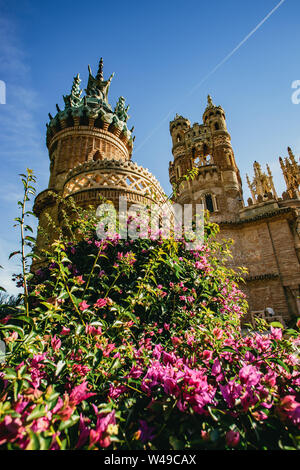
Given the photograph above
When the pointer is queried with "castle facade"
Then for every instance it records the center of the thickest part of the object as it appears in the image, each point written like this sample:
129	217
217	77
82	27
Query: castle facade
90	148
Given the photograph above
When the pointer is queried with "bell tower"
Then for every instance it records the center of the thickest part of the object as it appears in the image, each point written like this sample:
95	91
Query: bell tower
206	147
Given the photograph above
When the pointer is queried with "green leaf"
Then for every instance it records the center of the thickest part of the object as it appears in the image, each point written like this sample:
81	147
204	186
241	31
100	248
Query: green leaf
31	239
280	362
14	253
38	411
70	422
10	374
59	367
277	324
16	328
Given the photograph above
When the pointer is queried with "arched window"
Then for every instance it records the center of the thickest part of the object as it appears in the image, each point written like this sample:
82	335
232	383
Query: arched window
178	138
217	127
209	203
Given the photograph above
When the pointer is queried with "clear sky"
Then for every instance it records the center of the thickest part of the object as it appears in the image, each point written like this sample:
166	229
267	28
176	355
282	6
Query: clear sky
164	55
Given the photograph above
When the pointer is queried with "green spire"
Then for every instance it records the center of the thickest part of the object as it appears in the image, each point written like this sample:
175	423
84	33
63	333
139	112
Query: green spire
99	75
74	99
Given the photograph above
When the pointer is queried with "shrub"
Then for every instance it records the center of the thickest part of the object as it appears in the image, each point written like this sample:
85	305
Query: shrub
138	345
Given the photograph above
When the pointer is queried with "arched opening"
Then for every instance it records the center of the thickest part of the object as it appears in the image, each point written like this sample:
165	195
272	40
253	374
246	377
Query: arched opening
97	156
178	138
217	127
209	203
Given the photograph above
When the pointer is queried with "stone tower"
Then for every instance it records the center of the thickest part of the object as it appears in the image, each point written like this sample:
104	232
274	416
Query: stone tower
265	233
206	146
90	148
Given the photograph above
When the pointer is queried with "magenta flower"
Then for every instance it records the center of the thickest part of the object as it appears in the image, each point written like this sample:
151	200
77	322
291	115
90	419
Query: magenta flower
84	431
83	306
65	331
55	343
92	330
10	429
249	375
106	424
290	408
146	432
232	438
109	348
276	333
80	393
100	303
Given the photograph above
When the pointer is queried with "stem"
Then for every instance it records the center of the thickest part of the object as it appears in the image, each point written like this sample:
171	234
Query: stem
56	437
115	280
90	275
23	249
68	291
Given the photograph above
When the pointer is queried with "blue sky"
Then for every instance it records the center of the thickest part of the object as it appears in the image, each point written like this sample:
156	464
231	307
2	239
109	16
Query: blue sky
160	51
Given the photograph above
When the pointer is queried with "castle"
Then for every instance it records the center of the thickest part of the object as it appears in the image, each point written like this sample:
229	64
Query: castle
90	148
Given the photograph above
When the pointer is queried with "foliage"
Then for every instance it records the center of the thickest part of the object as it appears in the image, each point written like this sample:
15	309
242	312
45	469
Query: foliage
138	345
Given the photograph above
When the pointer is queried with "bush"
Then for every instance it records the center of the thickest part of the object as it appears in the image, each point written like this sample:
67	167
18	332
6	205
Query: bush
138	345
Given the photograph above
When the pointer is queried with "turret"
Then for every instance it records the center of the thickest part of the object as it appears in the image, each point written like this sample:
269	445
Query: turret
214	116
262	187
90	148
291	172
207	147
178	127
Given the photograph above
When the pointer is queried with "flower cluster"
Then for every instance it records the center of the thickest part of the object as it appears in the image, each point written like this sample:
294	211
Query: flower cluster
139	345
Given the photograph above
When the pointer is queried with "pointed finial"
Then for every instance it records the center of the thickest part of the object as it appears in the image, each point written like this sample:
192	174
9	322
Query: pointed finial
58	108
99	75
209	100
292	156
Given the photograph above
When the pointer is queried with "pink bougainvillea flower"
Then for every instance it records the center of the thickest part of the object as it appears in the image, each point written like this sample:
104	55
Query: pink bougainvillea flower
289	408
218	333
79	393
80	369
84	431
11	338
176	341
92	330
55	343
105	426
100	303
207	355
79	280
4	320
276	333
65	331
249	375
109	348
83	305
232	438
146	433
10	429
116	391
